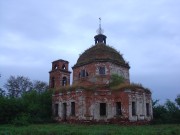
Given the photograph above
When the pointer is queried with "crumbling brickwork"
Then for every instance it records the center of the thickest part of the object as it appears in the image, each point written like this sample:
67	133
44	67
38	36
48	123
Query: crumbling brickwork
59	74
90	98
87	105
93	76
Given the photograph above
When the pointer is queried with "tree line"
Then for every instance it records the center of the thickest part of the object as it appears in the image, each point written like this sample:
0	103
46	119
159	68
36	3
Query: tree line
16	86
169	112
23	101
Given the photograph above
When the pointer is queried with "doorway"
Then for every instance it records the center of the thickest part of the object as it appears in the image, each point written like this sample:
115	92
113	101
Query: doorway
102	109
64	111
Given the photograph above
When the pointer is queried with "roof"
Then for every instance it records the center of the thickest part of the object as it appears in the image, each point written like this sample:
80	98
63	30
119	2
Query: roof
101	53
60	60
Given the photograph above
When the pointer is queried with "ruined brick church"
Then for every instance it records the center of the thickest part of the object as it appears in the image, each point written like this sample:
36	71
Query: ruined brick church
90	97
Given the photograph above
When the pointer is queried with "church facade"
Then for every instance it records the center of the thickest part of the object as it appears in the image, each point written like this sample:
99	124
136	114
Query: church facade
90	98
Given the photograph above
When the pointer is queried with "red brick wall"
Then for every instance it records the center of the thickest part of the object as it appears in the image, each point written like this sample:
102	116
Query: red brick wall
93	73
58	72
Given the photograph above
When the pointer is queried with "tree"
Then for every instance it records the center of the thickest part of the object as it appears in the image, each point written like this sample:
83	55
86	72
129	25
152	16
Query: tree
155	103
173	112
32	105
167	113
40	86
159	112
2	92
177	100
10	108
18	85
38	105
171	106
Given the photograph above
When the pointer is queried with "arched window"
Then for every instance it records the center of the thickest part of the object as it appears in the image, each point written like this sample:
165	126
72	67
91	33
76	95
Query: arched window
64	81
55	67
63	67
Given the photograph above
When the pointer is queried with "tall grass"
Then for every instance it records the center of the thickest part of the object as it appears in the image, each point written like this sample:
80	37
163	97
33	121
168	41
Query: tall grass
71	129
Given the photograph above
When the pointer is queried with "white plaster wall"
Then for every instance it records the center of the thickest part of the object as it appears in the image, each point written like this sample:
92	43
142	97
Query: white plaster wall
114	69
140	100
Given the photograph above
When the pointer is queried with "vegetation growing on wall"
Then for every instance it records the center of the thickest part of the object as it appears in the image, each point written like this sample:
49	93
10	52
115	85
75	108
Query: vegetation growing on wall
101	52
116	80
118	83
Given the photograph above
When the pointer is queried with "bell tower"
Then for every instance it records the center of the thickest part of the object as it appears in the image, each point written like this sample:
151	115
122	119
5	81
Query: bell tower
59	76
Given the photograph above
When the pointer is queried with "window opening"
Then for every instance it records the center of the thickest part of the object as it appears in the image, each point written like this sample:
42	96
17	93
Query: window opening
102	109
73	108
87	74
64	111
64	67
55	67
102	70
147	109
118	108
133	108
64	81
56	110
52	82
83	73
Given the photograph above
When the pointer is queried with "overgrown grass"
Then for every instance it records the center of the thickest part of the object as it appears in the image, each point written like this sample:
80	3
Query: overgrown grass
132	86
72	129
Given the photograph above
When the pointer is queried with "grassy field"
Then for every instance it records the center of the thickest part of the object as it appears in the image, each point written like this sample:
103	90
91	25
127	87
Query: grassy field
71	129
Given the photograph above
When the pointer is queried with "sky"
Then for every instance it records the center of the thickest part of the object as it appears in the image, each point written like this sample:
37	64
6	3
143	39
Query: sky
33	33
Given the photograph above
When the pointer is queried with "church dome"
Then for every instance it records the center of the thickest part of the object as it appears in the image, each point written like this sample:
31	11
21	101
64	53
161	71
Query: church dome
101	52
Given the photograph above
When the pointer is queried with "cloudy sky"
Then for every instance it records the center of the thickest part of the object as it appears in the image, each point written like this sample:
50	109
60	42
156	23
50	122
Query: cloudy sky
33	33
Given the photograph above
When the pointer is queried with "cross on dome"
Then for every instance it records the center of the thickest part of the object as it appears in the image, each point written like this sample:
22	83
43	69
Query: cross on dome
100	30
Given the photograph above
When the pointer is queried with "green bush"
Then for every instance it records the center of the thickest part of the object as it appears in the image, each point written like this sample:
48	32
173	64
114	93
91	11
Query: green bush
167	113
22	120
31	105
116	80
